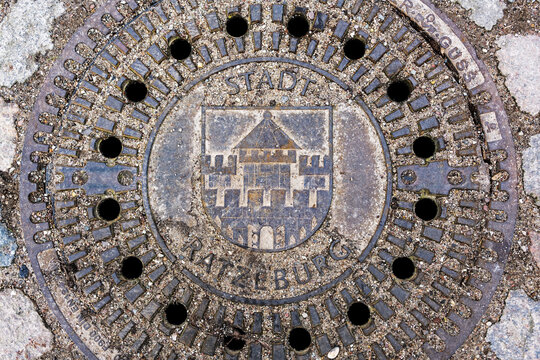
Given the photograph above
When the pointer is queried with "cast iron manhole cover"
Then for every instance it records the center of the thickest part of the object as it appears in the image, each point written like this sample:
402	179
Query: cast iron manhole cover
268	181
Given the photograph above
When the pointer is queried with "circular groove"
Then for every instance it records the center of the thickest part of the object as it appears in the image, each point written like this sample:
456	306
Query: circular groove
455	177
80	177
298	26
125	177
237	26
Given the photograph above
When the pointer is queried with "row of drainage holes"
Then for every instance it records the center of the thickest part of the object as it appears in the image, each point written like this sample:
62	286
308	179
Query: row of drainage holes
180	49
358	313
424	147
403	268
237	26
426	209
299	339
398	91
297	26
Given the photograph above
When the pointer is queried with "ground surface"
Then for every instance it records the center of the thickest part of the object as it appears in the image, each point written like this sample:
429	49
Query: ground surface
505	35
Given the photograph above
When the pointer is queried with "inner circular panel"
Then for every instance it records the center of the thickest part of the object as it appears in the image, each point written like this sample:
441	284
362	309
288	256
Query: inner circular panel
270	174
306	178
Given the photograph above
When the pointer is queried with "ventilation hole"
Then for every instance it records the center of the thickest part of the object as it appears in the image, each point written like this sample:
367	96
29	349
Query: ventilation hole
180	49
424	147
298	26
403	268
299	339
176	314
132	268
108	209
354	49
426	209
359	314
235	342
135	91
400	90
237	26
110	147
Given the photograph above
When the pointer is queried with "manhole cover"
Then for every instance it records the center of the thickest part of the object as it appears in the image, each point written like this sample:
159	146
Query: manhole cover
268	181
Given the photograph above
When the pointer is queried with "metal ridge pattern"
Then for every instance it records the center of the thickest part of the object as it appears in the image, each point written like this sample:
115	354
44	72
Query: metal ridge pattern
42	230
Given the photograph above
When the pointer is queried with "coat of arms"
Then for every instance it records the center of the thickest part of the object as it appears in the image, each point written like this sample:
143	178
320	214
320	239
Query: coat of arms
267	173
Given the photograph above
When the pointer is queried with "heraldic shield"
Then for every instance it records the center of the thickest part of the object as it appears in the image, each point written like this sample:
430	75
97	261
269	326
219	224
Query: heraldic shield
267	173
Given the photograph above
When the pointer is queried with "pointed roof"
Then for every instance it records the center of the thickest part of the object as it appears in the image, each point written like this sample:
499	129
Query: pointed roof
267	135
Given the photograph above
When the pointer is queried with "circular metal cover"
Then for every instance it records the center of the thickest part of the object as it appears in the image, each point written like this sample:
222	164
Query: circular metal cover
290	177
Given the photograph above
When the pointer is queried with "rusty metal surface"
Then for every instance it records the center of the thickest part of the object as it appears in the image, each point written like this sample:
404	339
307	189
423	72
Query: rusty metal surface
177	209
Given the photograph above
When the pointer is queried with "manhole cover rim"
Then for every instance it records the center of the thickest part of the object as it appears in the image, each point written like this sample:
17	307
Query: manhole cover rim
495	106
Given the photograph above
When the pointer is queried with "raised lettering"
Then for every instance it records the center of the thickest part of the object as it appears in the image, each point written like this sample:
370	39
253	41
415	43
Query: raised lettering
346	251
282	80
308	81
279	278
195	246
240	280
320	263
445	42
265	79
470	76
407	5
297	277
260	276
454	53
207	260
462	65
234	86
247	79
226	264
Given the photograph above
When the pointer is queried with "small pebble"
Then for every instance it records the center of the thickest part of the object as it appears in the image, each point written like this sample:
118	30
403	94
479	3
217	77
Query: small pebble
333	353
24	272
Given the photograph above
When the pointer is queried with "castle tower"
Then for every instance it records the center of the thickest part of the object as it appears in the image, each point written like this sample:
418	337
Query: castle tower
266	155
